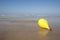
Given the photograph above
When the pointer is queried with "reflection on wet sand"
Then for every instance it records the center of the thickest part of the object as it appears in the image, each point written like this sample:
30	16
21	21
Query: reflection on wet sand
43	34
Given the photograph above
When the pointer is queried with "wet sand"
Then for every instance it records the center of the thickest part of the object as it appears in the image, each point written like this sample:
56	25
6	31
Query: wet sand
12	29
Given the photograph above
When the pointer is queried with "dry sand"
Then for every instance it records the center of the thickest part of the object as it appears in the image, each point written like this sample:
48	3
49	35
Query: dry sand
11	29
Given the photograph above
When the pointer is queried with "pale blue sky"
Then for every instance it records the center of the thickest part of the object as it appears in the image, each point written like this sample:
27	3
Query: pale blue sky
34	7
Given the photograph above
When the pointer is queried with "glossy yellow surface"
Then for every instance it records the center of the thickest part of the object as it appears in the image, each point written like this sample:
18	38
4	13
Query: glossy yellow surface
43	23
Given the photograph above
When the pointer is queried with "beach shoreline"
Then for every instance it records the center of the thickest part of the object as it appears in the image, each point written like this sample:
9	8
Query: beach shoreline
13	29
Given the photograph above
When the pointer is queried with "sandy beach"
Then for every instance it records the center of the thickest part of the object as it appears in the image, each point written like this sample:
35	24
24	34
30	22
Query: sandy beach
12	29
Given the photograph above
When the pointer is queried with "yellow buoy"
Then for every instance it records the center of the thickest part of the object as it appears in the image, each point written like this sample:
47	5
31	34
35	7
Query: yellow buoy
43	23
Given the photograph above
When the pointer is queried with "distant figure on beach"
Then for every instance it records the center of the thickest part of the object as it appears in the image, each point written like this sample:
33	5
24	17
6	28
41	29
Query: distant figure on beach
43	23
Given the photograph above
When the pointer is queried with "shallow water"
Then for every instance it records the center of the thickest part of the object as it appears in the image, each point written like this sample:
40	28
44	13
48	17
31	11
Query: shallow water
12	29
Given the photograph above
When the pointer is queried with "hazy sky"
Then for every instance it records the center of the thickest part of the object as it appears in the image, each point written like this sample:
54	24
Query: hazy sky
43	7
